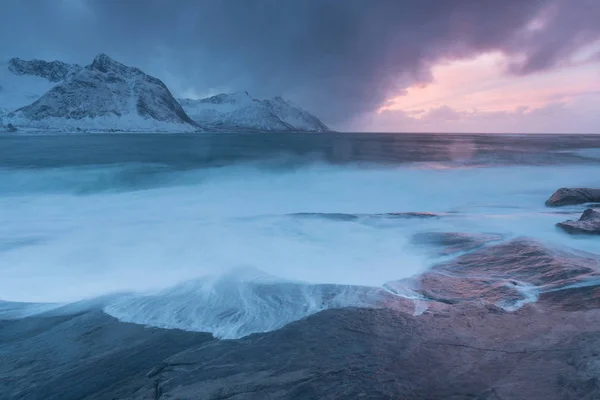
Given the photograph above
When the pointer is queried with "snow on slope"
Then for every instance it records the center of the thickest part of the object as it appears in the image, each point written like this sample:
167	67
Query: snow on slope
105	95
109	96
300	119
233	111
240	111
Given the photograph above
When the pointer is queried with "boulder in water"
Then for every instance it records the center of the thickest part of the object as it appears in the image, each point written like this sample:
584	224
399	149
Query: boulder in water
589	223
572	196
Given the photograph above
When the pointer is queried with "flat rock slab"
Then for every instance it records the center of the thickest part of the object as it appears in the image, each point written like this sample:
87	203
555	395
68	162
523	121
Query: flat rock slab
467	352
573	196
83	356
589	223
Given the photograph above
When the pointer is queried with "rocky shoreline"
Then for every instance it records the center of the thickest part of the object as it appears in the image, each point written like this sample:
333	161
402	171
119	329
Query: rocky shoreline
457	340
502	320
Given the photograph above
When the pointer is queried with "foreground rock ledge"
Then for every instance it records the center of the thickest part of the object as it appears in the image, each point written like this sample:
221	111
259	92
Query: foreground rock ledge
589	223
463	347
573	196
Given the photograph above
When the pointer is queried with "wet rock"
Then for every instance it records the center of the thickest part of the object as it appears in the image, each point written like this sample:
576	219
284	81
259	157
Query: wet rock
577	298
410	215
526	261
508	275
465	353
454	242
588	223
468	348
572	196
82	356
454	289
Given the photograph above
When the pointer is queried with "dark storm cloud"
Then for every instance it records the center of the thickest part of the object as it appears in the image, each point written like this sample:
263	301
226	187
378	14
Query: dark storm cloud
565	27
337	57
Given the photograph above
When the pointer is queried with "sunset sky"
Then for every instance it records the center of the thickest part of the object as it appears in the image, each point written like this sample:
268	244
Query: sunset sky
383	65
476	94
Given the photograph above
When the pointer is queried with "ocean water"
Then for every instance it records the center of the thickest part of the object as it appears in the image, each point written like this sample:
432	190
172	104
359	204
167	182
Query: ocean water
241	233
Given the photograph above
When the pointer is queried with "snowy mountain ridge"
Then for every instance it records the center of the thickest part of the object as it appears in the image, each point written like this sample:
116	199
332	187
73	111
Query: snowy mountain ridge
107	95
19	90
53	71
239	110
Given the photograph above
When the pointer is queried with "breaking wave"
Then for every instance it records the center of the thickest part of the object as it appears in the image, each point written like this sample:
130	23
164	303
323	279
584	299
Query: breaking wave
238	303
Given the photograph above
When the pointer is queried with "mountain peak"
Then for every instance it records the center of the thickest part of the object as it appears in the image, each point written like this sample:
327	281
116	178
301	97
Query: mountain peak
104	63
238	110
228	98
109	94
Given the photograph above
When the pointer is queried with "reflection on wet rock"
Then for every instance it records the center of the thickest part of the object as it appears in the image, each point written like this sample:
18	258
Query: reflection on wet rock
507	275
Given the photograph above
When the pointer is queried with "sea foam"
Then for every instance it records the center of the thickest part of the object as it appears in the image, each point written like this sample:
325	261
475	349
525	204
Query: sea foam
68	234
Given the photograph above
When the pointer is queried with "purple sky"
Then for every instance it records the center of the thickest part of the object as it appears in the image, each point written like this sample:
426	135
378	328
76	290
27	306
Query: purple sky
380	65
477	95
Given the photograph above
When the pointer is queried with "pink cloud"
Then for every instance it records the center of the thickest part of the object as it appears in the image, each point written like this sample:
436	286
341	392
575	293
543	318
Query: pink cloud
466	95
559	117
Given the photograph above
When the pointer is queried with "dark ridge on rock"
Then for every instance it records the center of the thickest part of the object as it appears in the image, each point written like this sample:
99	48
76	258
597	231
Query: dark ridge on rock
573	196
354	217
578	298
410	215
54	71
588	223
329	216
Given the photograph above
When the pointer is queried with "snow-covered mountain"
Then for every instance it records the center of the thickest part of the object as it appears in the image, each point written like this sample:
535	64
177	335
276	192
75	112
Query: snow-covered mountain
241	111
109	96
295	116
105	95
